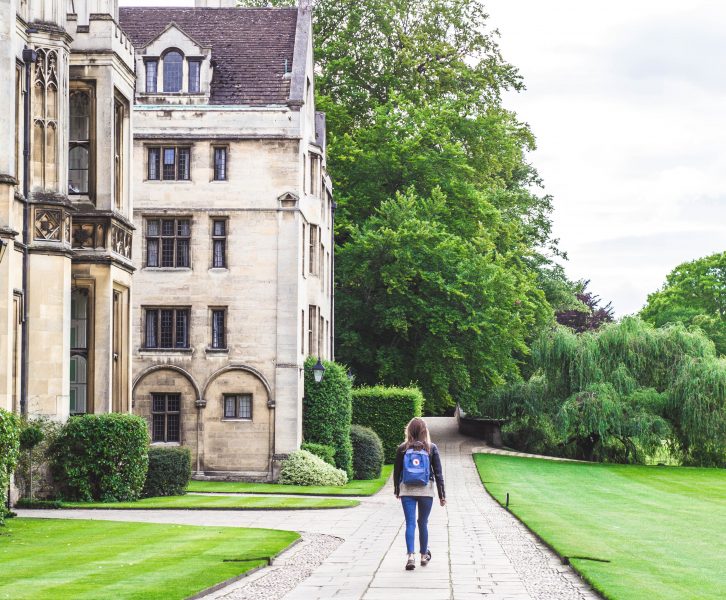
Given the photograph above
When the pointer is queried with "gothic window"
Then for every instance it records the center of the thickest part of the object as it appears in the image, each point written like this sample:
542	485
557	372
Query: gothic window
79	351
219	244
173	63
167	243
238	406
218	333
152	69
118	142
45	120
165	415
169	163
79	132
220	164
167	328
195	67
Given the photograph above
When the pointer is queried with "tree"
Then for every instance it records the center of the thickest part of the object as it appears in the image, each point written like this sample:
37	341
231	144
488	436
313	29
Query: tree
589	315
694	294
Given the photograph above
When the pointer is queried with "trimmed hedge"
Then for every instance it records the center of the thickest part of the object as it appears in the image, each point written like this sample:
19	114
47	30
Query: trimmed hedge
9	451
170	470
101	457
327	453
387	411
327	411
304	468
367	452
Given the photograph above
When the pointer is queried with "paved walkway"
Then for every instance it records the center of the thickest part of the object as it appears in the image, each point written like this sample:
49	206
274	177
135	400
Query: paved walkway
479	549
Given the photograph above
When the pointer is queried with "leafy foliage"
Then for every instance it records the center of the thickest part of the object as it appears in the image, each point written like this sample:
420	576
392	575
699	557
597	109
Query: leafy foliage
9	450
304	468
387	411
367	452
327	411
101	457
695	294
589	315
327	453
619	393
170	470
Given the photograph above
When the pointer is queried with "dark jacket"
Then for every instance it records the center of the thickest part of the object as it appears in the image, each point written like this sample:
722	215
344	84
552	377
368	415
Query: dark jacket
436	472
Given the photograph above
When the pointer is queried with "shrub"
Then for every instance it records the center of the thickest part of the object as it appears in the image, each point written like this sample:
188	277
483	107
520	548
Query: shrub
387	411
169	471
101	457
327	411
532	433
32	474
327	453
45	504
304	468
367	452
9	450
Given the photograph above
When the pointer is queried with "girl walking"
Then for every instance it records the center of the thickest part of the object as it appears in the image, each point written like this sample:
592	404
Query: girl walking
417	466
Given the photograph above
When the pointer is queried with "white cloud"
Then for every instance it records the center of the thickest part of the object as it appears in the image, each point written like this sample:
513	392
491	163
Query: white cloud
628	103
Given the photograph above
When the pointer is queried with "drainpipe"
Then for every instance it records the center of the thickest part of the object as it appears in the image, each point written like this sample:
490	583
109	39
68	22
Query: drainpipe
332	280
29	58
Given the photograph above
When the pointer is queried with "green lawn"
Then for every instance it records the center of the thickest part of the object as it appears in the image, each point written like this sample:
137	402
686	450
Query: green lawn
56	559
219	502
357	487
661	529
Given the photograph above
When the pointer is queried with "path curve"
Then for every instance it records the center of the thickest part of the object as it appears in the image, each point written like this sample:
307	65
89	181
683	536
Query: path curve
479	549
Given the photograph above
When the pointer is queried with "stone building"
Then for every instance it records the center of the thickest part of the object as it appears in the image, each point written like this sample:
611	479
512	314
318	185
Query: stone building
65	207
233	211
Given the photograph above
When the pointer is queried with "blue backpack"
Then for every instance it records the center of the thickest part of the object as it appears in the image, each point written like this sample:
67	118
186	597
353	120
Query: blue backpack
416	467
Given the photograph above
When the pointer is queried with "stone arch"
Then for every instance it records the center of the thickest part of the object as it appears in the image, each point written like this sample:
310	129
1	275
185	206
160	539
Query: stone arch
247	369
156	368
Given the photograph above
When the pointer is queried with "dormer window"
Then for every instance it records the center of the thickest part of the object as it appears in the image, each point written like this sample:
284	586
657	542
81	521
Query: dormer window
173	66
195	67
152	69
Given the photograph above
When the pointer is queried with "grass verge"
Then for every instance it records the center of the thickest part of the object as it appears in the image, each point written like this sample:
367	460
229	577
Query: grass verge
218	502
83	560
357	487
633	532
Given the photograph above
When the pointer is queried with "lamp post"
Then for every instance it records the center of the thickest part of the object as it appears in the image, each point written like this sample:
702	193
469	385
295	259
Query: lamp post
318	371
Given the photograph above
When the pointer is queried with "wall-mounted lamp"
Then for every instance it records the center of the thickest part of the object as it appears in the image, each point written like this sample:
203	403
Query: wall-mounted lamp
318	371
3	247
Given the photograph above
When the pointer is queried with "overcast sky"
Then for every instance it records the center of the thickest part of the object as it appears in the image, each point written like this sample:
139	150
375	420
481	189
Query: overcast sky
628	103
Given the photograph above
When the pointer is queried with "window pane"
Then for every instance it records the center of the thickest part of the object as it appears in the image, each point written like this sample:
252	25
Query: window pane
167	329
151	71
158	403
172	402
78	170
218	260
218	329
182	253
219	228
167	227
245	406
183	172
229	406
172	428
167	252
152	253
157	429
172	72
194	67
182	329
79	116
152	227
183	227
220	164
169	154
154	156
79	319
151	327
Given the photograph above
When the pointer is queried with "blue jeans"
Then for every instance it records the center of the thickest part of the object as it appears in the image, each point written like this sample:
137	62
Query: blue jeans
424	504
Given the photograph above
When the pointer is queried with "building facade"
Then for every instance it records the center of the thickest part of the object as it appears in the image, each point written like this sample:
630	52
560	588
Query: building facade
65	208
233	212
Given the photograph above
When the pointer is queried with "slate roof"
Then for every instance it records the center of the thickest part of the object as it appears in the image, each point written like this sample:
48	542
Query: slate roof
249	46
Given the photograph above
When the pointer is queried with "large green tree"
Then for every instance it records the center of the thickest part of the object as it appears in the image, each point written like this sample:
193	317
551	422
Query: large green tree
695	294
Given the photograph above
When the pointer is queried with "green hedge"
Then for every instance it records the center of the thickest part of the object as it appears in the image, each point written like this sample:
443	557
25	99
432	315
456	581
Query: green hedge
327	453
367	452
304	468
170	470
327	411
387	411
9	451
101	457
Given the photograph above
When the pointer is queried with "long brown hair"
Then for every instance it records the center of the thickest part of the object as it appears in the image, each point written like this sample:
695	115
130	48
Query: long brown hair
417	432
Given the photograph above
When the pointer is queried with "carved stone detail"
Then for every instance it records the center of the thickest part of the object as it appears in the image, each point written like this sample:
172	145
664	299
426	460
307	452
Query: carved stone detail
48	224
121	241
